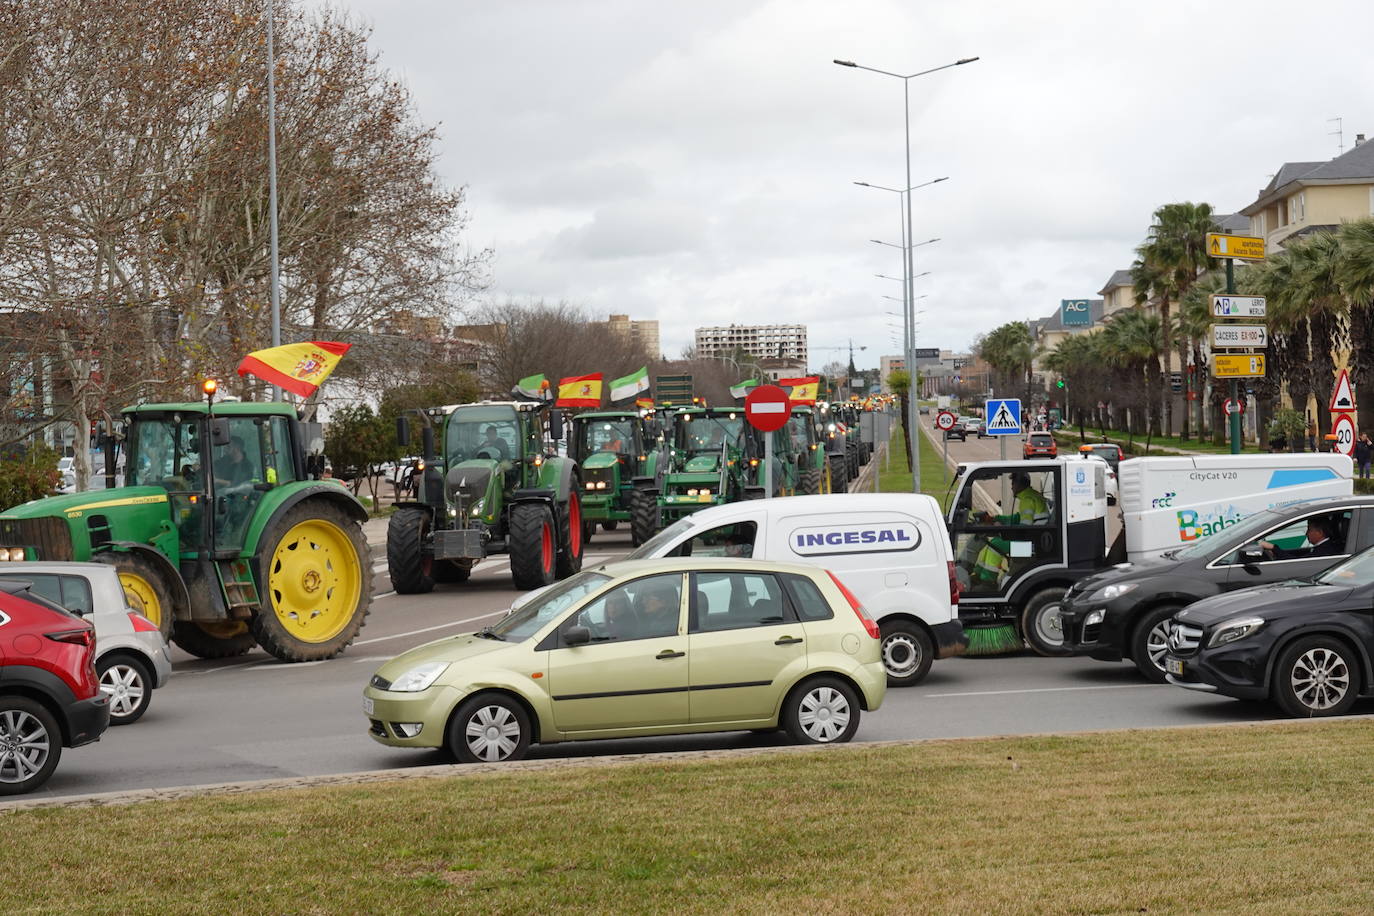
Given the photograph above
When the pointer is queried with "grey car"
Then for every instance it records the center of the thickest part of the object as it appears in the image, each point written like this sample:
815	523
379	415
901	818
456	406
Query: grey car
132	658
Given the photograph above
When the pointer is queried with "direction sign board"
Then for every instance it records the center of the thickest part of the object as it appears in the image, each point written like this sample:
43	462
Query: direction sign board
1238	306
1342	398
1238	365
1344	431
944	420
926	353
1003	417
1240	335
767	408
1245	247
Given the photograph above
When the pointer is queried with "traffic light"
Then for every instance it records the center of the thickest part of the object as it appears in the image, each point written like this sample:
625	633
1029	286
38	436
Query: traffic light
1060	384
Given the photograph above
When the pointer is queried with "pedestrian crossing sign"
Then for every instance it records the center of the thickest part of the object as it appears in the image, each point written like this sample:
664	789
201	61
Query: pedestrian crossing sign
1003	417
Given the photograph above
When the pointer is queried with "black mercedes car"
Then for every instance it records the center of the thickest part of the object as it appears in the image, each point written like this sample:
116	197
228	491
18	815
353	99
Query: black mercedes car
1125	612
1305	644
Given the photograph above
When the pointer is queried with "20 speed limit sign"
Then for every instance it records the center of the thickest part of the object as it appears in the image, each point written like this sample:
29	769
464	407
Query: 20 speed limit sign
944	420
1344	431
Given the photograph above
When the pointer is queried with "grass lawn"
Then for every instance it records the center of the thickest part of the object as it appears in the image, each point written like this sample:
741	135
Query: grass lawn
897	478
1069	436
1254	820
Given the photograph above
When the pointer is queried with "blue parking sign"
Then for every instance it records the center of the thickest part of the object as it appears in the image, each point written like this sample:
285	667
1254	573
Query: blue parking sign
1003	417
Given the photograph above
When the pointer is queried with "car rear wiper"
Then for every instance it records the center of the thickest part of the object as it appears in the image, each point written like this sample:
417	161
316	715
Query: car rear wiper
489	633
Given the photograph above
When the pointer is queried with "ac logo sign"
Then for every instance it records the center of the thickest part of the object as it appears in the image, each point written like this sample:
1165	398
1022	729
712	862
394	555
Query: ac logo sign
1075	312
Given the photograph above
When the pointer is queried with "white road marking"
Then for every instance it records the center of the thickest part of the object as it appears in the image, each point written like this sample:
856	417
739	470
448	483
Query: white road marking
994	693
383	595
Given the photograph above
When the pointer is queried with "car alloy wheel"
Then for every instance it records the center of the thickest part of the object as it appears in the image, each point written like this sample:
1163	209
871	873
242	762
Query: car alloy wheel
127	687
26	746
1320	679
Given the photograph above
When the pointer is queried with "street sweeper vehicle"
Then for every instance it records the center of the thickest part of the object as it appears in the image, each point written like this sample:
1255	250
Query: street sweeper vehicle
1024	531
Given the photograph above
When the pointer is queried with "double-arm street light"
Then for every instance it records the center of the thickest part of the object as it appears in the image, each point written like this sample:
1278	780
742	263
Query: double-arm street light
906	79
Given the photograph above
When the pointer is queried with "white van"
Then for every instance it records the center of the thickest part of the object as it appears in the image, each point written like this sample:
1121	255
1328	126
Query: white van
890	549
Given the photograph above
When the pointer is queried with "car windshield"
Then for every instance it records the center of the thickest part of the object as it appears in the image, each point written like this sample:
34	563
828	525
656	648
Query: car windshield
605	435
1240	533
701	433
796	426
652	547
166	451
1353	573
482	432
547	606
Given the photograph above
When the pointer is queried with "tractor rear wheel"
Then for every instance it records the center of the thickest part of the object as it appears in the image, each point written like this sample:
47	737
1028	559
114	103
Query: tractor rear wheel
588	530
412	571
452	571
532	547
839	476
213	638
570	535
318	585
810	482
643	517
145	588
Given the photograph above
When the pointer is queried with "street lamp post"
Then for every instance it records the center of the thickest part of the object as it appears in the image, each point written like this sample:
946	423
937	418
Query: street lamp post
911	364
275	283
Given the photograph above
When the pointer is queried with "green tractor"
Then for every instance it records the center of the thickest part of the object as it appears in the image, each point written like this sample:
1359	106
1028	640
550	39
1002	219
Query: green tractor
612	447
223	537
497	486
839	451
715	457
809	443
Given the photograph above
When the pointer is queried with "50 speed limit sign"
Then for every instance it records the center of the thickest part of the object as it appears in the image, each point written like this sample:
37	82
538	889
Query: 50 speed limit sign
945	420
1344	431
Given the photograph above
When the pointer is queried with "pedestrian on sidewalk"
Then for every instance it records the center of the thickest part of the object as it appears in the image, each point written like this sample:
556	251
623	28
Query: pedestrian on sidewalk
1364	454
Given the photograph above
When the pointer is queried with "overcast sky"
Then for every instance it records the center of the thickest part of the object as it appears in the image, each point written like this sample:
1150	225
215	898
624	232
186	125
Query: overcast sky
693	162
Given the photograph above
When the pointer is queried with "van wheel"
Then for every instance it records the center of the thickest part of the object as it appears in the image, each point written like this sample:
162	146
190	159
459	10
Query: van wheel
907	652
1040	622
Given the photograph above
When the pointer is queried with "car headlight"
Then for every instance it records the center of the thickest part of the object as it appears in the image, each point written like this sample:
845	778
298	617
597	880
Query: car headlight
1108	592
418	678
1094	617
1231	630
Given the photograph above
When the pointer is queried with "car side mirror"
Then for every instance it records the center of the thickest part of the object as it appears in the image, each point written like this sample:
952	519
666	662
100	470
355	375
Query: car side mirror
576	636
1251	554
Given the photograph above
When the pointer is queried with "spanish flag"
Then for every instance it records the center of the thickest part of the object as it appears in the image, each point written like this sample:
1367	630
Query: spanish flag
803	389
644	403
579	391
299	368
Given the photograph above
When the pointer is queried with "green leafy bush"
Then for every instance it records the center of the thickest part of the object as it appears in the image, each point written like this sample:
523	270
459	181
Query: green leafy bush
27	476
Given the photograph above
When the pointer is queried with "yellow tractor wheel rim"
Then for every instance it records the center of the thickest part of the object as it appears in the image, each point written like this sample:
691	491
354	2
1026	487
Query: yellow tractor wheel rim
314	581
141	595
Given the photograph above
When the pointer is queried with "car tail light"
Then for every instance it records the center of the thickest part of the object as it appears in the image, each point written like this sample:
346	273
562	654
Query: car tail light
858	607
142	624
953	585
82	637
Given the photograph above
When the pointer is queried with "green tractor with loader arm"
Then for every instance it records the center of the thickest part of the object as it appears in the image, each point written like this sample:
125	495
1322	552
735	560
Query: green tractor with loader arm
808	440
612	448
223	537
496	485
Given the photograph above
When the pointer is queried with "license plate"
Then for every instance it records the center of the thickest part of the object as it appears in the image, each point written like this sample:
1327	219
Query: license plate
1173	666
367	705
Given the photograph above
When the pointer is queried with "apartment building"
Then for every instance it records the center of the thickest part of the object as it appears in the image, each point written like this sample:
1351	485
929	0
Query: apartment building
643	332
774	341
1305	197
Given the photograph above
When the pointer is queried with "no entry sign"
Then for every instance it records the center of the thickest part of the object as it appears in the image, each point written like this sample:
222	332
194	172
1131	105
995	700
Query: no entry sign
767	408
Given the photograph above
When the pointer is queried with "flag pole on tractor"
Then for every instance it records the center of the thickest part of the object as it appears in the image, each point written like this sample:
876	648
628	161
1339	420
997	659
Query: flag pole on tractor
299	368
532	388
622	389
741	390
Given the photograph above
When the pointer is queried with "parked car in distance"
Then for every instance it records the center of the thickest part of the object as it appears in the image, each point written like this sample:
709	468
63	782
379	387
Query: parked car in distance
66	466
1107	451
1039	445
1127	611
1305	644
975	426
637	648
132	658
49	695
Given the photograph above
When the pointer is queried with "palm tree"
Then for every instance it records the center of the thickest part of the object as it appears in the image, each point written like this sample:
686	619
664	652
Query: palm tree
1356	277
1315	291
1167	265
1138	339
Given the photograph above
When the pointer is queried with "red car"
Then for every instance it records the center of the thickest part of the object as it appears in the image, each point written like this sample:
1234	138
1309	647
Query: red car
1039	445
50	695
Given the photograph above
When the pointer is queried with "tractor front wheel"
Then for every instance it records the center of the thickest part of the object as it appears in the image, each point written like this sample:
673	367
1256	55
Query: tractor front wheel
411	569
532	547
145	588
318	584
810	482
643	517
213	638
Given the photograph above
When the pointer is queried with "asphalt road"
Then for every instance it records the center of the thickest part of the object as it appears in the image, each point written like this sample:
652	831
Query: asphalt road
257	718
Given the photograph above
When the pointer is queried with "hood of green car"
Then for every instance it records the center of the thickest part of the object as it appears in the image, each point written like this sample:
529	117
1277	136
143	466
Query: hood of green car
452	649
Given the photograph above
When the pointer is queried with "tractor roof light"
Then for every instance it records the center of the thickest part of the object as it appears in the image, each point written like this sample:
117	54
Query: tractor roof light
209	387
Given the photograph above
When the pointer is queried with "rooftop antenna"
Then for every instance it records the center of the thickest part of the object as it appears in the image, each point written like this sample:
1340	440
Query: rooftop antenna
1338	133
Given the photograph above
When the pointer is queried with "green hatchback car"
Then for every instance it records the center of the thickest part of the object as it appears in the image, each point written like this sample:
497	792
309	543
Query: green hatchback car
642	647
